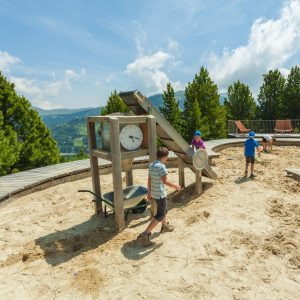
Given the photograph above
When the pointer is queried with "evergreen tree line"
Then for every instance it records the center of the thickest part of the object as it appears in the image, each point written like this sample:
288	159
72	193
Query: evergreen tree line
278	98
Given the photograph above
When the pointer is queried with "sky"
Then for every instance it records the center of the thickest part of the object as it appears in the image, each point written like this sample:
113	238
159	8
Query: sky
74	53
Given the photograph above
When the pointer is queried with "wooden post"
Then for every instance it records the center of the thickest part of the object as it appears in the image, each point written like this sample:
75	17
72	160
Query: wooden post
181	173
198	182
94	166
129	178
117	173
152	144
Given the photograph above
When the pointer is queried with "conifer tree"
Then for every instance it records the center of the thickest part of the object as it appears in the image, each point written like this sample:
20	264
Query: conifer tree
202	92
240	104
20	123
270	97
170	108
291	100
114	104
9	148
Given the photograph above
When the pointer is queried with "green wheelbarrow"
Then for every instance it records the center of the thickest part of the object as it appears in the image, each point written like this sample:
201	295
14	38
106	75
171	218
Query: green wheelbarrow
135	199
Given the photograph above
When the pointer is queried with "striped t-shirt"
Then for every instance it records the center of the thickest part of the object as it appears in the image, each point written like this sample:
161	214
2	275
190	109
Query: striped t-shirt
156	171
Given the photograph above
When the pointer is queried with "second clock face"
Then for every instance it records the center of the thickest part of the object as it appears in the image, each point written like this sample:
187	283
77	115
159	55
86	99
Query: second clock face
131	137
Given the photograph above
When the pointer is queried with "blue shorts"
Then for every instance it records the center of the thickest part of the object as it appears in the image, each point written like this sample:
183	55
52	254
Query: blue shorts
250	159
161	209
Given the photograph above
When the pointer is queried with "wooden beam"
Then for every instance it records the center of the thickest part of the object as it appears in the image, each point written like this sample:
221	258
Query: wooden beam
152	143
198	182
122	119
181	173
129	178
117	174
94	166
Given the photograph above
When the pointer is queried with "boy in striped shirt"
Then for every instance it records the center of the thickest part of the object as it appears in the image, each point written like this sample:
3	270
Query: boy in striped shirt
156	190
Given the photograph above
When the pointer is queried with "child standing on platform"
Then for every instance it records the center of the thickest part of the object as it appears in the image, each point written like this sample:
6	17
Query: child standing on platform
197	142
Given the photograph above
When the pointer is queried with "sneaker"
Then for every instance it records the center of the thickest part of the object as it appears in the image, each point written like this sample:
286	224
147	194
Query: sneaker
166	228
252	176
145	241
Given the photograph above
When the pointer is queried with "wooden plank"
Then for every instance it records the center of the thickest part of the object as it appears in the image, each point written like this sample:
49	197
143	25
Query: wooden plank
117	174
181	173
294	172
198	182
152	142
129	178
94	165
122	119
100	154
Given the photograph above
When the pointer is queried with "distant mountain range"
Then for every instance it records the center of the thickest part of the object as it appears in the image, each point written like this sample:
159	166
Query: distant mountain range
68	126
59	116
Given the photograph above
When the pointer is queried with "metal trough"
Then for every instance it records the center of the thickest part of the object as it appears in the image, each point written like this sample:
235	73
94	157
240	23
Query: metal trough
134	199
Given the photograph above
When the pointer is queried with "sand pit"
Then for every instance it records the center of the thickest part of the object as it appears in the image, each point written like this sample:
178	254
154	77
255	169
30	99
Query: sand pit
239	240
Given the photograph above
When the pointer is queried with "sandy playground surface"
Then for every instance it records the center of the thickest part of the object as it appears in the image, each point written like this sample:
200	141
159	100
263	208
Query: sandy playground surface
239	240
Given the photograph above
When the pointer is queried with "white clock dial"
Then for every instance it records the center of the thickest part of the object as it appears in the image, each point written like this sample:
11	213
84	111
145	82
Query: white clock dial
131	137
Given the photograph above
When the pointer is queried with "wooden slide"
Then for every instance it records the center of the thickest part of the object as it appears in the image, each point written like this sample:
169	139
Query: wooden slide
141	105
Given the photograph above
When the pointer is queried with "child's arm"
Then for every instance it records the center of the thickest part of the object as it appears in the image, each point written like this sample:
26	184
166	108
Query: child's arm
202	144
258	151
170	184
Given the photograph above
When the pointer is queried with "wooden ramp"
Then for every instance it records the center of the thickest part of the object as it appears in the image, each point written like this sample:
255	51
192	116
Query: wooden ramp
141	105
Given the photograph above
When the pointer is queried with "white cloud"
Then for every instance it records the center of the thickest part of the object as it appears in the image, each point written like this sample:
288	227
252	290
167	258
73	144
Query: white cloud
270	45
7	60
38	91
148	70
151	62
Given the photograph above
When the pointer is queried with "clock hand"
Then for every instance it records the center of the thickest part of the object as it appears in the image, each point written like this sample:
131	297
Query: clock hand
133	137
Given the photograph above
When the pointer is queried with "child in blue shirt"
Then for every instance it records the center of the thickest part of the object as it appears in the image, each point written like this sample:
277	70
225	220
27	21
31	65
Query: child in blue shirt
249	148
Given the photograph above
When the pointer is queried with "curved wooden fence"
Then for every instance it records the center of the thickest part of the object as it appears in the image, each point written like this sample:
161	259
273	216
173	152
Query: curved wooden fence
23	183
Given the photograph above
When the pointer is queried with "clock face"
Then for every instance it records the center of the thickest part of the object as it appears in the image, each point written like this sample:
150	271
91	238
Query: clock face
131	137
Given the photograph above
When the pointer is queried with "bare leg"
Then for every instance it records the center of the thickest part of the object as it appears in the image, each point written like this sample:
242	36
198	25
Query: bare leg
151	226
252	168
246	170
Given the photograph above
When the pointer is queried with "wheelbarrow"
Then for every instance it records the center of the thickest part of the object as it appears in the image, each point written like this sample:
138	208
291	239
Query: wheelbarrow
134	199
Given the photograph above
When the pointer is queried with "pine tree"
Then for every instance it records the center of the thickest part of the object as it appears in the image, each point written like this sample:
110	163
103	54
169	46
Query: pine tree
9	148
240	104
114	104
291	100
170	108
270	97
202	92
20	123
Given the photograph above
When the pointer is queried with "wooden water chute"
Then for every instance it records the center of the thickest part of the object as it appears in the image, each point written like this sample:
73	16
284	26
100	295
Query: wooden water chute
141	105
121	152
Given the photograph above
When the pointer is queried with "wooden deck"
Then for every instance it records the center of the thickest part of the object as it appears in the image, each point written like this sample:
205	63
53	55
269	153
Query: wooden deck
26	182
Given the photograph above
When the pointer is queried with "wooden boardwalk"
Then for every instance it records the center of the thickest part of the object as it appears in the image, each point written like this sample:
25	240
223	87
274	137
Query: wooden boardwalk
26	182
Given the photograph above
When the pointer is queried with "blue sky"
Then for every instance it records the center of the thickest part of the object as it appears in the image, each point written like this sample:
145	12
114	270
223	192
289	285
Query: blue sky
74	53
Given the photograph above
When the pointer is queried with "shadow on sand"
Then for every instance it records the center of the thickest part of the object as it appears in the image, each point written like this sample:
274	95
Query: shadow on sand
133	250
61	246
241	179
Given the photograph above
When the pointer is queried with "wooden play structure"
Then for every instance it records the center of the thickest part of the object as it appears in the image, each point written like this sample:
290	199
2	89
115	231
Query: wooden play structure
141	105
125	138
